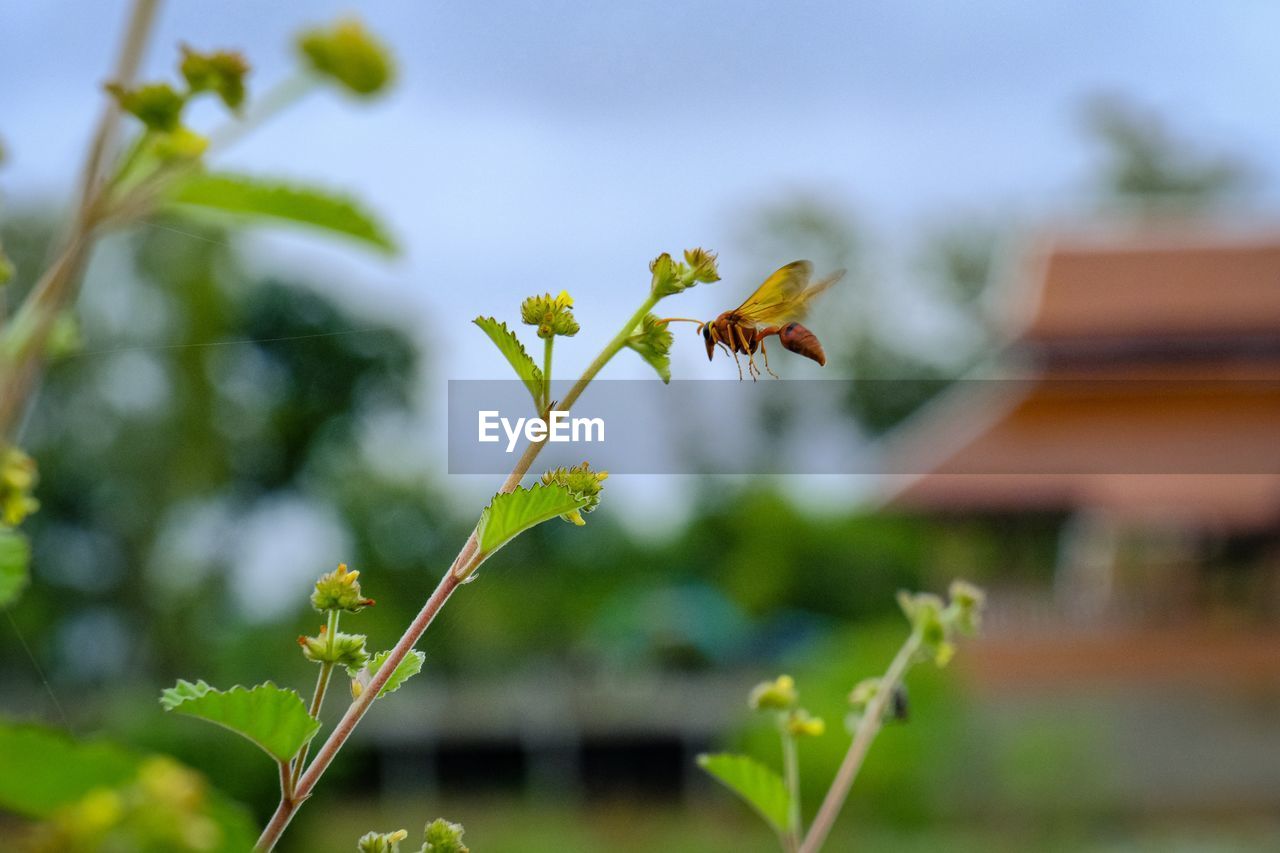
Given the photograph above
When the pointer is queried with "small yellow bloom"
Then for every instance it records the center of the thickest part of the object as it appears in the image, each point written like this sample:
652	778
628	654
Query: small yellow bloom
777	695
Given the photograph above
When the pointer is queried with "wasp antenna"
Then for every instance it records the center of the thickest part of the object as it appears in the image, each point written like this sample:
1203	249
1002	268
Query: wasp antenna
666	320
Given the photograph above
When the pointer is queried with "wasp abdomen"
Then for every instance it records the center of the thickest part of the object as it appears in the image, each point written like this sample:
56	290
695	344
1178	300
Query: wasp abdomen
800	340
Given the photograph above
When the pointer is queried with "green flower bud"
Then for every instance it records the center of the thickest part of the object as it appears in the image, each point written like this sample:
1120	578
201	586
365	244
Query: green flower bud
179	145
341	650
777	695
664	275
18	479
932	622
652	340
967	603
349	54
551	315
801	724
702	265
671	277
221	72
381	842
339	590
444	837
156	105
580	480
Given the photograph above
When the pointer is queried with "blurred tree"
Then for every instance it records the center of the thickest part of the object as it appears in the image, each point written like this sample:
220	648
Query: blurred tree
1152	170
201	393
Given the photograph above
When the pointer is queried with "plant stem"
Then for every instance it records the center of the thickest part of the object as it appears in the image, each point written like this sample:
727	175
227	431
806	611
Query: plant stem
286	782
791	764
546	373
317	698
868	727
460	569
141	19
283	94
20	369
610	350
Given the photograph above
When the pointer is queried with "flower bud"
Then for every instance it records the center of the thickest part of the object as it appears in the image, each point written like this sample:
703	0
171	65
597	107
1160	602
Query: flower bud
341	650
702	265
801	724
444	837
179	145
777	695
221	72
582	481
967	603
156	105
348	53
551	315
17	482
932	622
672	276
652	340
339	590
381	842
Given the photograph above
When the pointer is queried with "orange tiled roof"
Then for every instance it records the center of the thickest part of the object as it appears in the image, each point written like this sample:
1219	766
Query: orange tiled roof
1186	431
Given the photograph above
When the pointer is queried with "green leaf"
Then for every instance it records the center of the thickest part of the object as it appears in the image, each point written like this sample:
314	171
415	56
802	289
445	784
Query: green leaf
255	198
761	787
512	513
509	345
45	771
272	717
15	554
410	666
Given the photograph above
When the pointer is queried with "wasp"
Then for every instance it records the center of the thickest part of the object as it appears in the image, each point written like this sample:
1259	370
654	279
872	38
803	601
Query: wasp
775	308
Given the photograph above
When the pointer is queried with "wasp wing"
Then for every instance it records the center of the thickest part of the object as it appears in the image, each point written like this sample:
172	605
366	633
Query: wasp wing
785	295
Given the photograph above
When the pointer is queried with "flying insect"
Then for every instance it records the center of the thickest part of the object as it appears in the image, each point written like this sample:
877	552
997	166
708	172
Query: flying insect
775	308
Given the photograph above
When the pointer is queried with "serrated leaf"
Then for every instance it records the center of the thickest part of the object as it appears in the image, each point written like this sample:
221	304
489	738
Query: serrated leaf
509	345
409	666
272	717
761	787
511	513
15	555
257	198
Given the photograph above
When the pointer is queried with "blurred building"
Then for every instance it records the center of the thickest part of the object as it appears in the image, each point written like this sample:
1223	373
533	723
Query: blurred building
1136	416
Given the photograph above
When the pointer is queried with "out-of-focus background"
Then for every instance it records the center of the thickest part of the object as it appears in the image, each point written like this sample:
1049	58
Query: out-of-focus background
1051	191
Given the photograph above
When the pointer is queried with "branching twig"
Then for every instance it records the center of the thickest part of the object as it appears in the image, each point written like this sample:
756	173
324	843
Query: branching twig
55	289
461	568
868	728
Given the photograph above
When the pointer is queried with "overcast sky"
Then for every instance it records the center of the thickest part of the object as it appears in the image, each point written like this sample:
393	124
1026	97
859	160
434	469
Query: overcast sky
556	144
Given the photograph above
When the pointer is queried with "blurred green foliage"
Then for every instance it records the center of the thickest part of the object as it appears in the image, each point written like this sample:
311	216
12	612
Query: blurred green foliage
88	796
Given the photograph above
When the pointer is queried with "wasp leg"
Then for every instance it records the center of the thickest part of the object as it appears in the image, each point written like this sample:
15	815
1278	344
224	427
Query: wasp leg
715	336
752	370
765	353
